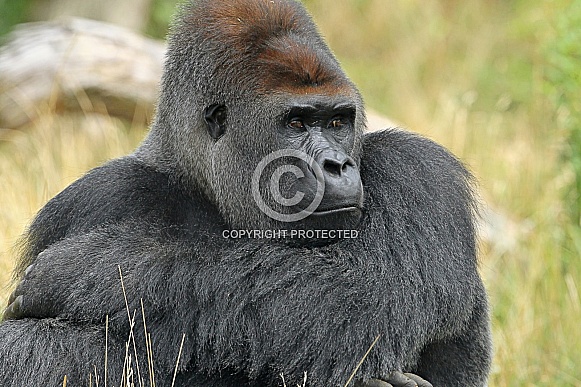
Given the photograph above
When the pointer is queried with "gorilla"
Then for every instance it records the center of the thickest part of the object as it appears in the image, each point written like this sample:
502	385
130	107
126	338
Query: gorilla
257	236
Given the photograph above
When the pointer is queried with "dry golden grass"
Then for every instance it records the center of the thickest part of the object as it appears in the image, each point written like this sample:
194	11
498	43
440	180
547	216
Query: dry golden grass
38	161
469	74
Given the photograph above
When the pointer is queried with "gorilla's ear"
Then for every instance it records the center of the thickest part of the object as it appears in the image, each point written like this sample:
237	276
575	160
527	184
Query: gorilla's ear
215	116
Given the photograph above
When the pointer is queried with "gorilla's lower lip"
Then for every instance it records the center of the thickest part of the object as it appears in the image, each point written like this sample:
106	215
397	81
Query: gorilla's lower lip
336	210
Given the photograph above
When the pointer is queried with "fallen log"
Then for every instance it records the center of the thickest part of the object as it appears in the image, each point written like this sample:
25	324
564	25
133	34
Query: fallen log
78	64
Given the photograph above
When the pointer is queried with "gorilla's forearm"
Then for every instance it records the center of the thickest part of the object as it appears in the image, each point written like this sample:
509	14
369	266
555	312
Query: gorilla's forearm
260	300
29	345
465	358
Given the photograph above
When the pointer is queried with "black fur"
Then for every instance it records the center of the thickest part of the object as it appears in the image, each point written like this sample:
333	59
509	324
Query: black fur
250	309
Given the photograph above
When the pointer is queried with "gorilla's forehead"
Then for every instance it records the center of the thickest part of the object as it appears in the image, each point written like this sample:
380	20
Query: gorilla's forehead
293	65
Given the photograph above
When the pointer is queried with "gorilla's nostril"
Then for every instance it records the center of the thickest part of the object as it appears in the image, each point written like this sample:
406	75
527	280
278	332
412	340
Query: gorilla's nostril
347	163
333	166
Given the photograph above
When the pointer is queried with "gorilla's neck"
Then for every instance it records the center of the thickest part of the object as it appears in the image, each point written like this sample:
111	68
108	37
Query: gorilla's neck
165	149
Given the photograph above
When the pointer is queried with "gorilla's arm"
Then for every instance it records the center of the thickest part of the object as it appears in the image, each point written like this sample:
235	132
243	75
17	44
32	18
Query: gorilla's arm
247	305
254	294
41	352
463	358
430	193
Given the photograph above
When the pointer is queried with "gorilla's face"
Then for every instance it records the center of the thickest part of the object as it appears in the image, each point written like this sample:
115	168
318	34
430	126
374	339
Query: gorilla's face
323	131
294	166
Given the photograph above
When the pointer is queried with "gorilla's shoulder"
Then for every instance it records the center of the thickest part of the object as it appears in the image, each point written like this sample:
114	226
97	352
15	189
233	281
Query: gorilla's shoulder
120	188
405	169
399	153
409	148
123	189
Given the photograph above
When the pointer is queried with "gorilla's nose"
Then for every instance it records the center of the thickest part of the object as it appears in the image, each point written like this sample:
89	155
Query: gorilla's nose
337	167
343	188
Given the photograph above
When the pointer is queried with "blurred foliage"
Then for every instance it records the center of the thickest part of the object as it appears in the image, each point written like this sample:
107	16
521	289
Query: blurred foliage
564	84
161	15
13	12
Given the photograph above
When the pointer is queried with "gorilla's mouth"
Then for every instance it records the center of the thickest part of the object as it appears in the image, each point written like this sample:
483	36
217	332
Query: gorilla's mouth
323	212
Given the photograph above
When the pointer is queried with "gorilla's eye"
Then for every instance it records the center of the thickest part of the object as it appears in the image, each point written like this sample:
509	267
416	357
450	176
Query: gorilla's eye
296	123
337	122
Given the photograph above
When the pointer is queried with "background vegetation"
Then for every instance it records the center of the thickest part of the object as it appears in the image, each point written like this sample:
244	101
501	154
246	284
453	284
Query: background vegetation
496	81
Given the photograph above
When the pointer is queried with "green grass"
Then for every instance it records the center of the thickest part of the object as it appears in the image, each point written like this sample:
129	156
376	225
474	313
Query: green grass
472	75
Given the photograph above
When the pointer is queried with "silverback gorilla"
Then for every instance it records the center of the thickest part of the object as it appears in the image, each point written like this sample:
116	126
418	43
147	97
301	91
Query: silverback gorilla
377	278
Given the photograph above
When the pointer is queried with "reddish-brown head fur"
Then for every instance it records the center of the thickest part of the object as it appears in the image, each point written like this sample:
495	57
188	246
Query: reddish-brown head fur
265	45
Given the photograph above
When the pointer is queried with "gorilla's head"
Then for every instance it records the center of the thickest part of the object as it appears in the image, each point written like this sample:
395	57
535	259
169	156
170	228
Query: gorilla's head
256	111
